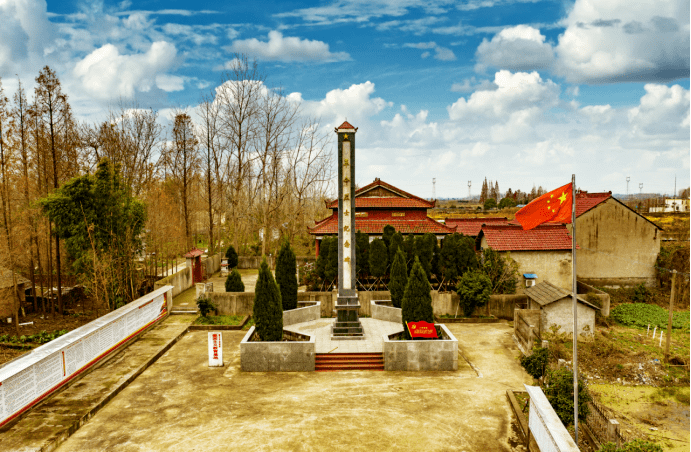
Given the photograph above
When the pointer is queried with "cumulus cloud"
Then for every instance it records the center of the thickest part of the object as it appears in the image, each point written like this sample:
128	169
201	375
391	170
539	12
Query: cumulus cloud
287	48
516	48
107	74
24	33
472	84
613	41
662	110
440	53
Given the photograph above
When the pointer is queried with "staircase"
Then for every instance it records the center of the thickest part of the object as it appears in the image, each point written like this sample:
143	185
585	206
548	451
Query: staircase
334	362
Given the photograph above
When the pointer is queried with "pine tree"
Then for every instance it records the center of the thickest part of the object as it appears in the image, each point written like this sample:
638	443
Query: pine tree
424	250
234	282
399	278
416	304
267	312
331	268
378	258
484	192
388	232
286	278
395	243
409	248
361	253
497	193
232	257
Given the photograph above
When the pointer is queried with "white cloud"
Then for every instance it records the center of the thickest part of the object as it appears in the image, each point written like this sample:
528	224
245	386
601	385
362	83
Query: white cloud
24	33
472	84
516	48
106	74
289	48
662	110
440	53
598	114
619	41
170	83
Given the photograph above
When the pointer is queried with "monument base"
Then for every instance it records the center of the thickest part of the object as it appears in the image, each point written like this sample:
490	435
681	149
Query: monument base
347	325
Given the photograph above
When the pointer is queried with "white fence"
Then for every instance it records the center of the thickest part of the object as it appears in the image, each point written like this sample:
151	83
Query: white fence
545	426
26	381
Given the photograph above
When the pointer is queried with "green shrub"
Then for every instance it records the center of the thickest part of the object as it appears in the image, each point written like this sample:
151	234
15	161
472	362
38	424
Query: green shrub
536	363
267	312
399	278
395	243
637	445
361	253
205	305
234	282
232	257
378	258
474	289
503	272
559	393
387	233
286	269
641	294
424	251
416	304
490	203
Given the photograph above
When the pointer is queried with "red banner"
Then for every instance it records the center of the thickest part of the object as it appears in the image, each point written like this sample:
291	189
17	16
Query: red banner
421	329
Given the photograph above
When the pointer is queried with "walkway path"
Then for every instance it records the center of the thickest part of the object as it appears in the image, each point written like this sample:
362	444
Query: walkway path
321	329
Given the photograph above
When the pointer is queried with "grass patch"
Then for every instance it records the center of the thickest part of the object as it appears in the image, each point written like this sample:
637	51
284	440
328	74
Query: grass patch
249	324
232	320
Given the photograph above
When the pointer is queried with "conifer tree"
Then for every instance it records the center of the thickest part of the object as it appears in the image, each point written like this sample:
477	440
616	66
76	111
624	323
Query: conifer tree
416	304
378	258
234	282
331	267
361	253
286	278
395	243
409	248
424	250
387	233
399	278
267	311
232	257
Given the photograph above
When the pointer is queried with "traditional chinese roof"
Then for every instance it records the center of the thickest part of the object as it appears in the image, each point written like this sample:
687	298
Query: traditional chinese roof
6	278
546	293
512	237
329	226
345	125
395	198
586	201
194	252
472	226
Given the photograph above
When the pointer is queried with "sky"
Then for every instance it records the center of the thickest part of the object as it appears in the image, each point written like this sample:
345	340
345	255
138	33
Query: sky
516	91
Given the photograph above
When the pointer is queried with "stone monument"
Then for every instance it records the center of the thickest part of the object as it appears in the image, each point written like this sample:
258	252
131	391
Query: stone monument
347	325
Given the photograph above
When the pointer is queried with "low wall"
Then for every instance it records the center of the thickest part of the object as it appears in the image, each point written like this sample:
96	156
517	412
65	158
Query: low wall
276	356
212	264
386	313
254	261
32	377
545	426
441	354
232	303
181	281
327	301
599	297
300	315
526	328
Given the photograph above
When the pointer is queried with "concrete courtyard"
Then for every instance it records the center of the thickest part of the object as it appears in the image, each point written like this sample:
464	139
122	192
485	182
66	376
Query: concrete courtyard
179	403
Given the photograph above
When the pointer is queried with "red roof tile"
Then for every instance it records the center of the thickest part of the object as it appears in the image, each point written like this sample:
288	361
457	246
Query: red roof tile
586	201
404	200
330	226
546	237
345	125
472	226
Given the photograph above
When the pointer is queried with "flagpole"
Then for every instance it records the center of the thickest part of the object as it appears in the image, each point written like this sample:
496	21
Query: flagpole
575	306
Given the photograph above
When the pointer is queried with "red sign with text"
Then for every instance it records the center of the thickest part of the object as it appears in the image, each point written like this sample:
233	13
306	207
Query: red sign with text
421	329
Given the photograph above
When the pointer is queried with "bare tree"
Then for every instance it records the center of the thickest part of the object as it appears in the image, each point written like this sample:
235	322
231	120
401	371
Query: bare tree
211	158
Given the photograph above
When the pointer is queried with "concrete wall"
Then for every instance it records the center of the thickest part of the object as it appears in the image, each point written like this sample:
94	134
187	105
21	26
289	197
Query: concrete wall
552	266
232	303
300	315
276	356
386	313
212	263
592	294
254	261
560	313
617	246
181	281
441	354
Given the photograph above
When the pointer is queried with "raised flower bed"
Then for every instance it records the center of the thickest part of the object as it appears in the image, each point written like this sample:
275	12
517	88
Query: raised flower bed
421	355
295	353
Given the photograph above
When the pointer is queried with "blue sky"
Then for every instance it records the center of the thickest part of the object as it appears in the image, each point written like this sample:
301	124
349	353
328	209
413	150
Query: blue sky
520	92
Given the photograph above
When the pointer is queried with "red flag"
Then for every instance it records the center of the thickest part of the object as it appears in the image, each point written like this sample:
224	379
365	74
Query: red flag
554	206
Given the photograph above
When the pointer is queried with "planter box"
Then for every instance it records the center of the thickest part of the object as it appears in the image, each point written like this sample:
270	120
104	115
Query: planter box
260	356
219	327
386	313
300	315
421	355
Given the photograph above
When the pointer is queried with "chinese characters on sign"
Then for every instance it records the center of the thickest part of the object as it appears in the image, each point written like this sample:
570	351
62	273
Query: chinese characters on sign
215	349
421	329
347	195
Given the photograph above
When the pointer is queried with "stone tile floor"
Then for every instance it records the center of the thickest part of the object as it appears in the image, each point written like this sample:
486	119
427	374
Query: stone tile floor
321	329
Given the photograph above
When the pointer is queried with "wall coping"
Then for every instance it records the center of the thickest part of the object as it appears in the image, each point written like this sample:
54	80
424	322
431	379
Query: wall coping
250	332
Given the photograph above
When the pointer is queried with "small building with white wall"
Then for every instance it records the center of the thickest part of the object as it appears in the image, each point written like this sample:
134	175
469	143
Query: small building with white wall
556	306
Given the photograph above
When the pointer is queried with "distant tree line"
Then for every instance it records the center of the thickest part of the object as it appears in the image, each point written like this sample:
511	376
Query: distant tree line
491	197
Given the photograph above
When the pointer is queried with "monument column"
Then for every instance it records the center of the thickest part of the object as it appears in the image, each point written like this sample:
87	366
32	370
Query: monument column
347	325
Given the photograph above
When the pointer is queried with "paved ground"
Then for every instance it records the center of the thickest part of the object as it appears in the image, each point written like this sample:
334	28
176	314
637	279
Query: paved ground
374	332
179	403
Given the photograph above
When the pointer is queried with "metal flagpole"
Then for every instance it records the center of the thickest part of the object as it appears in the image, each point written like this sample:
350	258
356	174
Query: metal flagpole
575	305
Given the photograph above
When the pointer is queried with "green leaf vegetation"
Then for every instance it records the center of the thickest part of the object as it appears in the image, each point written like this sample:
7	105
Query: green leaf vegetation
395	243
490	203
361	253
457	256
559	393
378	258
205	306
637	445
641	315
507	202
286	270
536	363
234	282
502	272
417	300
38	338
267	312
387	234
474	289
424	251
232	320
100	223
232	257
399	278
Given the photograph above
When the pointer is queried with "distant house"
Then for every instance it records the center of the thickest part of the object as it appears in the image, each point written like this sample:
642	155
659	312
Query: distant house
618	246
542	253
379	204
6	291
471	226
556	306
673	205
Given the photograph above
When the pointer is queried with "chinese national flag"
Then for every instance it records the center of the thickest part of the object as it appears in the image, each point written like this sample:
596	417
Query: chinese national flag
554	206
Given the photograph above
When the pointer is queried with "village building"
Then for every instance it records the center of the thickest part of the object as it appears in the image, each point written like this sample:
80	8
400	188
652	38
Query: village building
672	205
472	226
6	290
556	309
542	253
617	245
379	204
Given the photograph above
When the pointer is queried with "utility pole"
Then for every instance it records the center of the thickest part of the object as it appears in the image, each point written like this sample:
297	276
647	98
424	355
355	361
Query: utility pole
640	186
628	178
434	188
468	190
669	320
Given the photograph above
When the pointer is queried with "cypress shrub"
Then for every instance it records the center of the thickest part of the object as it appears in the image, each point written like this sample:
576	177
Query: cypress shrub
409	248
395	243
234	282
286	268
378	258
559	392
416	304
267	312
232	257
361	253
424	251
387	233
399	278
